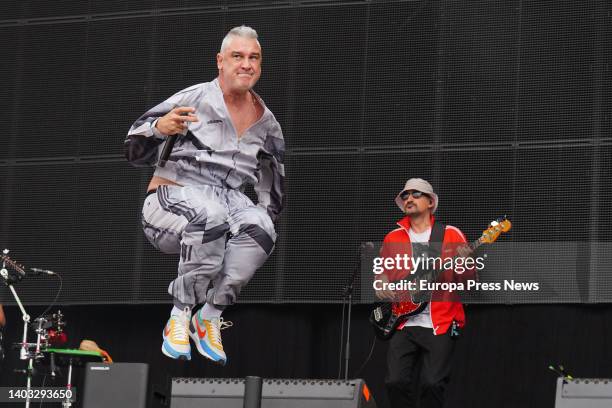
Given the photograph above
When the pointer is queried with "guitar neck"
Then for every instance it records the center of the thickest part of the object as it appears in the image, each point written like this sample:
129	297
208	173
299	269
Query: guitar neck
472	245
476	244
483	239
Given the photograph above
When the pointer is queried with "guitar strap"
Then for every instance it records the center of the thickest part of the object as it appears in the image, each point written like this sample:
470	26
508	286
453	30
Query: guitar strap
432	250
436	238
434	246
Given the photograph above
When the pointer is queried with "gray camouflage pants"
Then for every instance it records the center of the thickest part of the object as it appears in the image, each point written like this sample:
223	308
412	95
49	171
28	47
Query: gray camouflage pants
195	221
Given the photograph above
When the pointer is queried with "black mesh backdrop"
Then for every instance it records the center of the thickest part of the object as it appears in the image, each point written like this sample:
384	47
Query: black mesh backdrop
118	6
9	82
603	216
5	175
115	80
556	81
546	179
329	67
322	223
505	107
475	188
399	80
50	89
43	9
183	52
604	192
478	67
80	220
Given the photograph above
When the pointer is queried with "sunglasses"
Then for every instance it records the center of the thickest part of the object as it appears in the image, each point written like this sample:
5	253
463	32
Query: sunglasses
415	194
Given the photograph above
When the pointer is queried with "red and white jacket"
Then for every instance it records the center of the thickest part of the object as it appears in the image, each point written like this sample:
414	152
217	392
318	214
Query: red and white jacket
443	312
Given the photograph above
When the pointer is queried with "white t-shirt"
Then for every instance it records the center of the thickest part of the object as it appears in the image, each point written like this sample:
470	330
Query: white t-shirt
422	319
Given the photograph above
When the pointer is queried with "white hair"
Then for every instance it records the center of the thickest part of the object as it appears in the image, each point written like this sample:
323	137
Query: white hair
241	31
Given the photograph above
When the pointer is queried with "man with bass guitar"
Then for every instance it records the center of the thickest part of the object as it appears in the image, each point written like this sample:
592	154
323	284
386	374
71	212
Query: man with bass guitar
429	332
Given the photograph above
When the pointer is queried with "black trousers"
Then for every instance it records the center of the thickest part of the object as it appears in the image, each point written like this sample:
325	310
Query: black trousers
412	348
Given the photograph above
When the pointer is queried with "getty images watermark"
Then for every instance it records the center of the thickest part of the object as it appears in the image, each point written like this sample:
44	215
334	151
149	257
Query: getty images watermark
492	274
425	273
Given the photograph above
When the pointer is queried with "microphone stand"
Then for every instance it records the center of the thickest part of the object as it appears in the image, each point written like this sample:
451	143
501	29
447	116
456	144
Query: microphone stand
347	300
23	352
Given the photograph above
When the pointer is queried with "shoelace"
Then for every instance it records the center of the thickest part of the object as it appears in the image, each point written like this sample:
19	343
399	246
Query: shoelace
225	324
218	325
179	332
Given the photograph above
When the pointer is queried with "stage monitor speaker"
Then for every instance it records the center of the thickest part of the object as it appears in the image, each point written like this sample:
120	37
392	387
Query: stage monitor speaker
276	393
584	393
116	385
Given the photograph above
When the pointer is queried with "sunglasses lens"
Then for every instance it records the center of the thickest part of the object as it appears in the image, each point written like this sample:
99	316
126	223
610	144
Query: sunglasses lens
415	194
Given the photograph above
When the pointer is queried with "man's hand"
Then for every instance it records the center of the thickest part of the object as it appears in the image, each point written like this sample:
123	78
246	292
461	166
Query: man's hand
384	294
176	121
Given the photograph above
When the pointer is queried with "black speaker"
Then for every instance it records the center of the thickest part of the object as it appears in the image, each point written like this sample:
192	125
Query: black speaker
276	393
116	385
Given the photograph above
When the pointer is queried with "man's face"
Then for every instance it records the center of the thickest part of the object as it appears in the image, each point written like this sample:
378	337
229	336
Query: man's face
240	64
416	205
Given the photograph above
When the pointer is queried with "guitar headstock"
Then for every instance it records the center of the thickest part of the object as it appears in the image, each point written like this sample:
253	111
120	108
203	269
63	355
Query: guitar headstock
496	228
11	263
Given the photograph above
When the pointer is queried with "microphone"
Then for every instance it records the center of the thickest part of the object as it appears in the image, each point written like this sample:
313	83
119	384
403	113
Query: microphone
168	146
367	246
348	288
38	271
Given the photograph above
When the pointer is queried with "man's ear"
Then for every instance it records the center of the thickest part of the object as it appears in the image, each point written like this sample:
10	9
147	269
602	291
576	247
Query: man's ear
219	61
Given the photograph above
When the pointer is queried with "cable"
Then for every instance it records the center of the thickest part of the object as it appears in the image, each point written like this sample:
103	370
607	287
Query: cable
56	296
42	386
367	358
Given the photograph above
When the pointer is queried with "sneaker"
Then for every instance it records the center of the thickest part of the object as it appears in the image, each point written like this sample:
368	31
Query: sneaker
206	335
176	337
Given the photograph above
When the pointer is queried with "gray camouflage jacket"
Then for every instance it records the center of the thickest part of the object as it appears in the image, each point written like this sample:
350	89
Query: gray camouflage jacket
210	152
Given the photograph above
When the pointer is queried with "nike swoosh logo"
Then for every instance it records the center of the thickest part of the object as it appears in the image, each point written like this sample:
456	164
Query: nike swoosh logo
200	332
167	330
